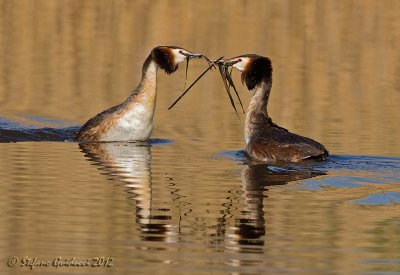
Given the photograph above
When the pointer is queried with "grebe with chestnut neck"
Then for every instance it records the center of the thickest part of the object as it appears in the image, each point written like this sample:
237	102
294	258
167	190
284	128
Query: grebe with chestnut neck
132	120
266	141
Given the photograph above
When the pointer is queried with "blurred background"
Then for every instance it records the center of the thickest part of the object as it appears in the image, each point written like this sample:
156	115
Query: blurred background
336	64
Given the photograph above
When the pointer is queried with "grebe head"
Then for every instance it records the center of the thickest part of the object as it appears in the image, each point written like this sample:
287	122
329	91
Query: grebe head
254	68
168	57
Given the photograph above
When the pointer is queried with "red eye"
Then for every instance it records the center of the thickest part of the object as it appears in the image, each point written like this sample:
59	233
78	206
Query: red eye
240	60
180	51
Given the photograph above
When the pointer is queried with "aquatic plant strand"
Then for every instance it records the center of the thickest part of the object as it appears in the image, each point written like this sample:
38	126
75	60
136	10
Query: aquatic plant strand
194	82
231	84
222	70
186	72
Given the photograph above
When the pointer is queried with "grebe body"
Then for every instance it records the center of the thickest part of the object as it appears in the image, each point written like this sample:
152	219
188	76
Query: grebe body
133	119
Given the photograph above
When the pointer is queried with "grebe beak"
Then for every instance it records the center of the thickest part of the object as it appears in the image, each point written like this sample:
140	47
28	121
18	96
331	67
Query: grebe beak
195	55
191	55
227	62
232	62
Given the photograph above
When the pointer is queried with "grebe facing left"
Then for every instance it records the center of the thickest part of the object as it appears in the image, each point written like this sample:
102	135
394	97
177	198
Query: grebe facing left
133	119
266	141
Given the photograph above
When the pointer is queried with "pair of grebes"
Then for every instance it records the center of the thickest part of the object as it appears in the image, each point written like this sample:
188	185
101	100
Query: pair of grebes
132	120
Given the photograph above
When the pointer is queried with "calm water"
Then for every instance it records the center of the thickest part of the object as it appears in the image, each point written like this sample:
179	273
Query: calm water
189	201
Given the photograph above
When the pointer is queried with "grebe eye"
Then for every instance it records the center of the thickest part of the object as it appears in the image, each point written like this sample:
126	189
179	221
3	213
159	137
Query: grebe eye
180	51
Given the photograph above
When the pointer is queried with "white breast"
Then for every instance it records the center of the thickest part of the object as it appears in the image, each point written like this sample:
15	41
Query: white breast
135	124
246	139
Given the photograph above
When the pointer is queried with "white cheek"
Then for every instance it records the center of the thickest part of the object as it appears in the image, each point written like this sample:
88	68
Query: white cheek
178	56
240	65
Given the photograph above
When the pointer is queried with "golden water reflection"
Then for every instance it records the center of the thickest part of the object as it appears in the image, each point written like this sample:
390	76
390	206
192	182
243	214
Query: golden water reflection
130	163
152	209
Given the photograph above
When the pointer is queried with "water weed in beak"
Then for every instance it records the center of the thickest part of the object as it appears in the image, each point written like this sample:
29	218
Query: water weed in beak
223	72
212	65
231	84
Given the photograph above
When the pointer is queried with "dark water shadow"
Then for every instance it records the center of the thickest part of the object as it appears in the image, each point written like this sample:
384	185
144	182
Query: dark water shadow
36	129
39	134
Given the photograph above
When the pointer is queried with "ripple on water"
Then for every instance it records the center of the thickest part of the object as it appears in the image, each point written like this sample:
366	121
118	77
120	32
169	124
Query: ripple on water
380	199
369	173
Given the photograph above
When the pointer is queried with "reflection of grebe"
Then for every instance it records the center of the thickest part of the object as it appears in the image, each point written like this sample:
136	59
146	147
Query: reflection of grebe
133	119
265	140
131	164
250	228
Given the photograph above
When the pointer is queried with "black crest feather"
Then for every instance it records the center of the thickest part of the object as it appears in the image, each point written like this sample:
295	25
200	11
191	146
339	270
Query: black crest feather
258	69
165	60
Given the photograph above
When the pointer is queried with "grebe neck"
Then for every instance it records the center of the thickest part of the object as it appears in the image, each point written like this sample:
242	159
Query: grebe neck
149	69
148	83
257	112
259	101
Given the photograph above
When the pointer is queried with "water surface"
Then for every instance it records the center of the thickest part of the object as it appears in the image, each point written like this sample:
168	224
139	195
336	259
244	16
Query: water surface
189	201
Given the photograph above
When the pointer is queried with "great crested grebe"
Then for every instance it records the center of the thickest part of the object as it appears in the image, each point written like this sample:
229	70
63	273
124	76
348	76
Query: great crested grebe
133	118
266	141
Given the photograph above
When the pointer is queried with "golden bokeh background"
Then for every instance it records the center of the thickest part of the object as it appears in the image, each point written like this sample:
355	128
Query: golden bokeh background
336	72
